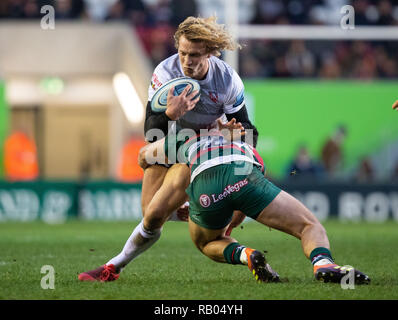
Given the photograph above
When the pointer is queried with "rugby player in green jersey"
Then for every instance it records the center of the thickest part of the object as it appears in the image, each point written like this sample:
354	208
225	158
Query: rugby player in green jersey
226	175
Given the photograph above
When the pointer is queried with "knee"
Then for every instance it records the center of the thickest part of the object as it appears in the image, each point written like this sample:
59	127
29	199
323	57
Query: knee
314	226
206	251
200	243
200	248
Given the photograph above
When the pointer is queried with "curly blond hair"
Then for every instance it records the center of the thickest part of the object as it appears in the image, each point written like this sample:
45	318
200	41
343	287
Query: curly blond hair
214	35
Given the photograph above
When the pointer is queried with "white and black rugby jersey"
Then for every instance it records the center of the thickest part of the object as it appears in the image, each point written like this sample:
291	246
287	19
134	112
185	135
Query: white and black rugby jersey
222	91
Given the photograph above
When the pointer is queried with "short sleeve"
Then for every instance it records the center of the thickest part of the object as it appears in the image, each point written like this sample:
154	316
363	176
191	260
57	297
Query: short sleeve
236	96
159	77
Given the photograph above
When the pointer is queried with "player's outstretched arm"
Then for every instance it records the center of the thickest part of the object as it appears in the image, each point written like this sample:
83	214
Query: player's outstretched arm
242	117
395	105
152	153
231	130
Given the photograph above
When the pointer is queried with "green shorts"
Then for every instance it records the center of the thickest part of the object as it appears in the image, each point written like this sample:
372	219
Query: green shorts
216	192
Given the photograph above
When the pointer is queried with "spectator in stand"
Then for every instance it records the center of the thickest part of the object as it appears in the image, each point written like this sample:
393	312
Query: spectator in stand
385	10
297	11
365	172
128	169
159	42
303	167
299	60
136	11
3	9
155	20
159	12
332	153
180	9
117	11
20	157
280	68
250	66
362	14
31	9
395	173
15	9
156	29
330	68
268	11
386	66
64	10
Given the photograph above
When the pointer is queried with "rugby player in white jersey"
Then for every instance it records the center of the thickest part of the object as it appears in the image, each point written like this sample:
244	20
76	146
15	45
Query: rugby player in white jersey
228	174
199	42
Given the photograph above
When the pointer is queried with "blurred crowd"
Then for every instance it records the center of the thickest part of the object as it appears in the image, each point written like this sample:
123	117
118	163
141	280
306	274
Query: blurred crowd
331	163
155	22
315	59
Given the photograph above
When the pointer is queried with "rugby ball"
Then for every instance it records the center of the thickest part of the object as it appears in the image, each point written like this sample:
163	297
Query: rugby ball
159	99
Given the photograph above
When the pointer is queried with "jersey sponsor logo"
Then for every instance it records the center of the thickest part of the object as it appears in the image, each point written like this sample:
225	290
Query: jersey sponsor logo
213	96
229	189
155	83
239	99
204	200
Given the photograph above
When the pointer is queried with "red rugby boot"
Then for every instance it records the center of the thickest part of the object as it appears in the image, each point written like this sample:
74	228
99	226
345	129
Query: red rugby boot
102	274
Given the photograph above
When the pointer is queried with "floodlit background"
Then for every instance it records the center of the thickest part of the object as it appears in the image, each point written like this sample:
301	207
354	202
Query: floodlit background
73	97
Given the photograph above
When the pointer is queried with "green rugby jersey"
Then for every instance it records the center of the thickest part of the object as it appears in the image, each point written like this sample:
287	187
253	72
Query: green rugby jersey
204	151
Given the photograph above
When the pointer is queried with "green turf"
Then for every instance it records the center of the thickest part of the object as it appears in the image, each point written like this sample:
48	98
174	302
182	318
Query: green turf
174	269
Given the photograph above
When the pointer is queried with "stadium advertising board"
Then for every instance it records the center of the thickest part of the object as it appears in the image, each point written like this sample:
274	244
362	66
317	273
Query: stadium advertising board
372	203
52	202
55	202
109	201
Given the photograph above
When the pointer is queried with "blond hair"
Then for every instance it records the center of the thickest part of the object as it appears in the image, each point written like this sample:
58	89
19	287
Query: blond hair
207	30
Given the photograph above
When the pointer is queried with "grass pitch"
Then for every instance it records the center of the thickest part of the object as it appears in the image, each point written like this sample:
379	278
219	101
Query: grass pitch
173	269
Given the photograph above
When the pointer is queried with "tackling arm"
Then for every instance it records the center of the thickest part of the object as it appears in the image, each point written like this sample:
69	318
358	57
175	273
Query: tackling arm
242	117
152	153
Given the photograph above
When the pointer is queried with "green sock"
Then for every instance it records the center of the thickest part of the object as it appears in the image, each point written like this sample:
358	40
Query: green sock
320	253
232	253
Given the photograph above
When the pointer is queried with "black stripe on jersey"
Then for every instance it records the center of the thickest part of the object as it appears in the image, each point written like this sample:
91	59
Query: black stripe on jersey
242	117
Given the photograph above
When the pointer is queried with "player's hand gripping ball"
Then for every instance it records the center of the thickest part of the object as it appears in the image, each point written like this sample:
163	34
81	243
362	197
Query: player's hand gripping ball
159	99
